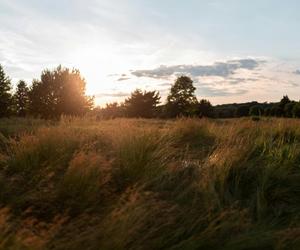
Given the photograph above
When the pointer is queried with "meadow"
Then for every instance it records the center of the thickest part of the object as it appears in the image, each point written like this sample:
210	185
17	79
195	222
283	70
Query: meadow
83	183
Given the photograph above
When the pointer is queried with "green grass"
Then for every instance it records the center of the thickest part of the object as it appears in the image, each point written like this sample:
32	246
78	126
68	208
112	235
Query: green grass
150	184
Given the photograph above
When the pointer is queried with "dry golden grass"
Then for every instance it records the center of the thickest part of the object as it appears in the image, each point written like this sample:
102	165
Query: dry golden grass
150	184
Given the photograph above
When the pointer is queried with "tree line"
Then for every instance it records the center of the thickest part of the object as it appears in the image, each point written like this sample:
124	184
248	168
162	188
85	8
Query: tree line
62	92
284	108
57	92
182	101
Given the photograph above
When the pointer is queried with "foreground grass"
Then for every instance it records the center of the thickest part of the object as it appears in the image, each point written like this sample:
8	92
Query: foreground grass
150	184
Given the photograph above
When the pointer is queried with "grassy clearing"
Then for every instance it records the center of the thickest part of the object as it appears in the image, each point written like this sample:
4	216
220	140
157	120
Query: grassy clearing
150	184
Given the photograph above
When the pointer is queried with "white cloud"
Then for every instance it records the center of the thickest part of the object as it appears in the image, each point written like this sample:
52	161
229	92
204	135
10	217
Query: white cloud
103	38
223	69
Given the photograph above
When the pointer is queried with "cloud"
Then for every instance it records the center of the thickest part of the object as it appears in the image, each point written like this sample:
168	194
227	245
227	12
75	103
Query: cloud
234	81
221	69
221	88
221	79
114	94
165	84
249	64
213	92
297	72
123	79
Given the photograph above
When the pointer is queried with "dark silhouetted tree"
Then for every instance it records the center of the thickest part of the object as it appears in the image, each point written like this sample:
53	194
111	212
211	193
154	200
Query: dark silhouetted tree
21	99
276	110
38	103
255	110
5	95
268	111
61	91
283	102
242	110
182	100
112	110
296	110
205	109
142	104
288	109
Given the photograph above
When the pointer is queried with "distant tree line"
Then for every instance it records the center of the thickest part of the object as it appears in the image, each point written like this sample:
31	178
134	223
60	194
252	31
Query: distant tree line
284	108
62	92
182	101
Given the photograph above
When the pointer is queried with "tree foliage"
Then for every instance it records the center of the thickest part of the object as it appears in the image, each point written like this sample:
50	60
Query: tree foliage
256	110
288	109
60	91
284	101
142	104
204	108
242	110
182	100
296	110
112	110
21	99
5	94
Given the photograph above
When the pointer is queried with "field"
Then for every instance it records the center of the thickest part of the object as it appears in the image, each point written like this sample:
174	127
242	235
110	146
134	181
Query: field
149	184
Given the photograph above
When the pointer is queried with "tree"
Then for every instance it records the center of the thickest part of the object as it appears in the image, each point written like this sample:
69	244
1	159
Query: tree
38	104
61	91
5	95
268	111
242	110
21	99
288	109
276	110
256	110
205	109
182	99
296	110
285	100
142	104
112	110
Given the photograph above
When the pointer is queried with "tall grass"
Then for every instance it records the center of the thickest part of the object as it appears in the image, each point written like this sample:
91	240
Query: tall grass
150	184
141	155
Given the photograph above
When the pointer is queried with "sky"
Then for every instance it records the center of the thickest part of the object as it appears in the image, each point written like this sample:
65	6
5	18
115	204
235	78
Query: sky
234	50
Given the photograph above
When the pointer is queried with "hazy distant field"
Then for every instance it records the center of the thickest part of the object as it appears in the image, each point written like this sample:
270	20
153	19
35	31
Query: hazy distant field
150	184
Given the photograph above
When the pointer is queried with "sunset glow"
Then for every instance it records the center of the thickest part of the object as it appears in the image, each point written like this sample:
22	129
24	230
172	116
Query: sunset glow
112	43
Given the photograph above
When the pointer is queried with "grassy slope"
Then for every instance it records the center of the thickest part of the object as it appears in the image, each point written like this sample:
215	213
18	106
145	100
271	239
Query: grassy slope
138	184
